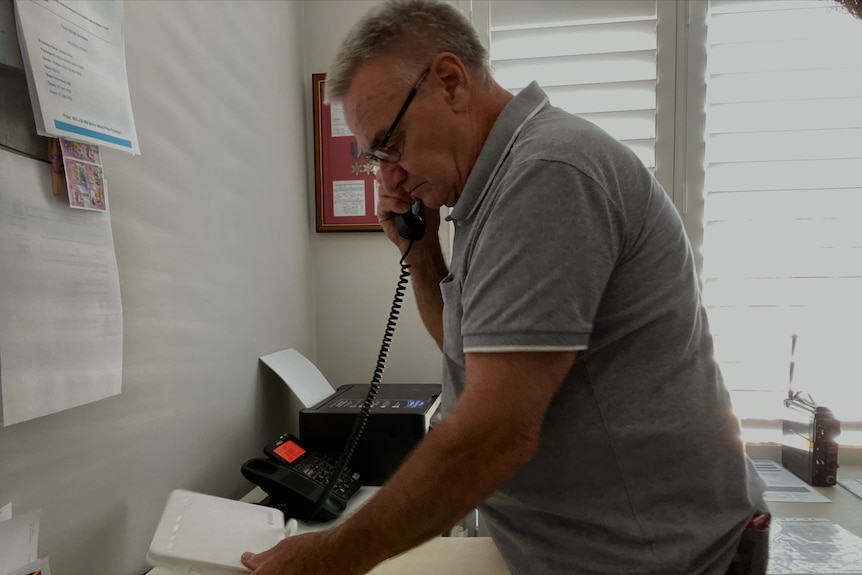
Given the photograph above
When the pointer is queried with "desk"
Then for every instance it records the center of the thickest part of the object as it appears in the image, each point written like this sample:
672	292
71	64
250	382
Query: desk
845	509
440	556
479	556
445	556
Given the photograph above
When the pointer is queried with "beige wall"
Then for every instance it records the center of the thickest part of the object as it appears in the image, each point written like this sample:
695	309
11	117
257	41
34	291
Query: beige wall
212	236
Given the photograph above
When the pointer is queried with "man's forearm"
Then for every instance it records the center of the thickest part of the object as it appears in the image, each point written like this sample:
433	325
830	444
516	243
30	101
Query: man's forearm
488	436
457	465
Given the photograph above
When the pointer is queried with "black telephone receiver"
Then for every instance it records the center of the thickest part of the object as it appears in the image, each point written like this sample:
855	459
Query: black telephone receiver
410	225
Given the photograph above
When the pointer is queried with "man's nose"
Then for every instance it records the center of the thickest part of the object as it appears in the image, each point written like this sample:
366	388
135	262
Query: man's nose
391	175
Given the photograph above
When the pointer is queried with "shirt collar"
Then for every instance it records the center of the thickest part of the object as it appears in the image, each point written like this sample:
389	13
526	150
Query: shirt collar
516	112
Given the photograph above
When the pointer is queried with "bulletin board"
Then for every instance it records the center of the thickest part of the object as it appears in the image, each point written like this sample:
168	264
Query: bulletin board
345	186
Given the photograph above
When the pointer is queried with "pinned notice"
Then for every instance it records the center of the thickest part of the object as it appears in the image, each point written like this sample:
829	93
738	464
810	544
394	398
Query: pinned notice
61	334
75	61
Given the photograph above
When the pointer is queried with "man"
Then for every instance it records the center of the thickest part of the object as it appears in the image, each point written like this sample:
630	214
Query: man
584	412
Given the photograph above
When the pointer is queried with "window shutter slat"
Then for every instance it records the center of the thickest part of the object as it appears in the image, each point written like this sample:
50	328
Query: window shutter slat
574	40
789	145
576	70
544	13
593	98
595	59
789	115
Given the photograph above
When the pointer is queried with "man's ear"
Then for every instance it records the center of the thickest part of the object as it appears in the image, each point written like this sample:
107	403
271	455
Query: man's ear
449	70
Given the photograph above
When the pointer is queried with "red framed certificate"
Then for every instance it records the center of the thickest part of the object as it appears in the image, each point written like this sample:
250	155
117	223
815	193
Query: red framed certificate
345	187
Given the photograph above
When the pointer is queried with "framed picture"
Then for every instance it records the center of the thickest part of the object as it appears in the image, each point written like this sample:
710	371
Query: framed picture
344	182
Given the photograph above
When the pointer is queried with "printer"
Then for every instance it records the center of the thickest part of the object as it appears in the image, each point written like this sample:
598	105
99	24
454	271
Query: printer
399	419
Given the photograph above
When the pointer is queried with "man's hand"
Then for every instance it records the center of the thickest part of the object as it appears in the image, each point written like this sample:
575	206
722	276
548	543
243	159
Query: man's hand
389	205
306	554
396	202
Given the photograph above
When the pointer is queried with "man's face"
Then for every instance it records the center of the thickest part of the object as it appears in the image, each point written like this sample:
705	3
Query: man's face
425	138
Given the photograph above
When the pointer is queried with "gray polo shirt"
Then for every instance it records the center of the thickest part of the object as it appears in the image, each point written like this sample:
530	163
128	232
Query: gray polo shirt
564	241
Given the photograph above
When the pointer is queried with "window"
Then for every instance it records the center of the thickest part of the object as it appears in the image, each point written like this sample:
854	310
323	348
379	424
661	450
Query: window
750	114
597	61
782	244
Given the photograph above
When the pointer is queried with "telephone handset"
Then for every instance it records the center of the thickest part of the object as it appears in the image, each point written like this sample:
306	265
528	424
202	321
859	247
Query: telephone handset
410	225
315	486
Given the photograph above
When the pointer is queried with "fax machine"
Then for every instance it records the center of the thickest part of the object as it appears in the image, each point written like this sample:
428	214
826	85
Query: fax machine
399	419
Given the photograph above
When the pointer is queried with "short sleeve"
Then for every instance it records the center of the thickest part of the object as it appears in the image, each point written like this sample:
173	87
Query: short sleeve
540	262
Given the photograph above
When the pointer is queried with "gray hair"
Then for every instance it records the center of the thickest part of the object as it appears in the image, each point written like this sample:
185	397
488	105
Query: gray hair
417	30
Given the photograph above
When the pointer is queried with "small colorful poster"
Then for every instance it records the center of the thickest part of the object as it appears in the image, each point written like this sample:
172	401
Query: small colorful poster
80	151
85	180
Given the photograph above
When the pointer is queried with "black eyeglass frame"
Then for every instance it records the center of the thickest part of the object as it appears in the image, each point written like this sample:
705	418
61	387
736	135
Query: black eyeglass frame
379	154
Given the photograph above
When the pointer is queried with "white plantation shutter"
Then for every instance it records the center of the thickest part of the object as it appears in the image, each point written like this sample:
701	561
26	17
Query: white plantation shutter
594	58
782	247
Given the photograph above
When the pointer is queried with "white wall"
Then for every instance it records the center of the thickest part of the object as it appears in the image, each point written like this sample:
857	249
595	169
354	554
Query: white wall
355	273
212	232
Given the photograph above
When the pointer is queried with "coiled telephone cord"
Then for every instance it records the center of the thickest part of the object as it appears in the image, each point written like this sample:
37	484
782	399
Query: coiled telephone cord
365	410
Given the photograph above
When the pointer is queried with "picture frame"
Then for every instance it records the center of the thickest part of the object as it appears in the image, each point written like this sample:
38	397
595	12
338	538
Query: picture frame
346	190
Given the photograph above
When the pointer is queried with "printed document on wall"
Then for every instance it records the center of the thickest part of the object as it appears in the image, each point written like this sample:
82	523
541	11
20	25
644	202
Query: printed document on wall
75	61
19	541
61	318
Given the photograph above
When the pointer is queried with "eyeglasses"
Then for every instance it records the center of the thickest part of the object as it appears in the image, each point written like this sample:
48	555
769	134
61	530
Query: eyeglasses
383	153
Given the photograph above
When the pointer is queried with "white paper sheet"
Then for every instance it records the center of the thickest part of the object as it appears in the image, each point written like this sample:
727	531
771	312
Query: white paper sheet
812	545
782	485
300	375
38	567
854	486
19	540
337	124
348	198
6	512
75	61
61	321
